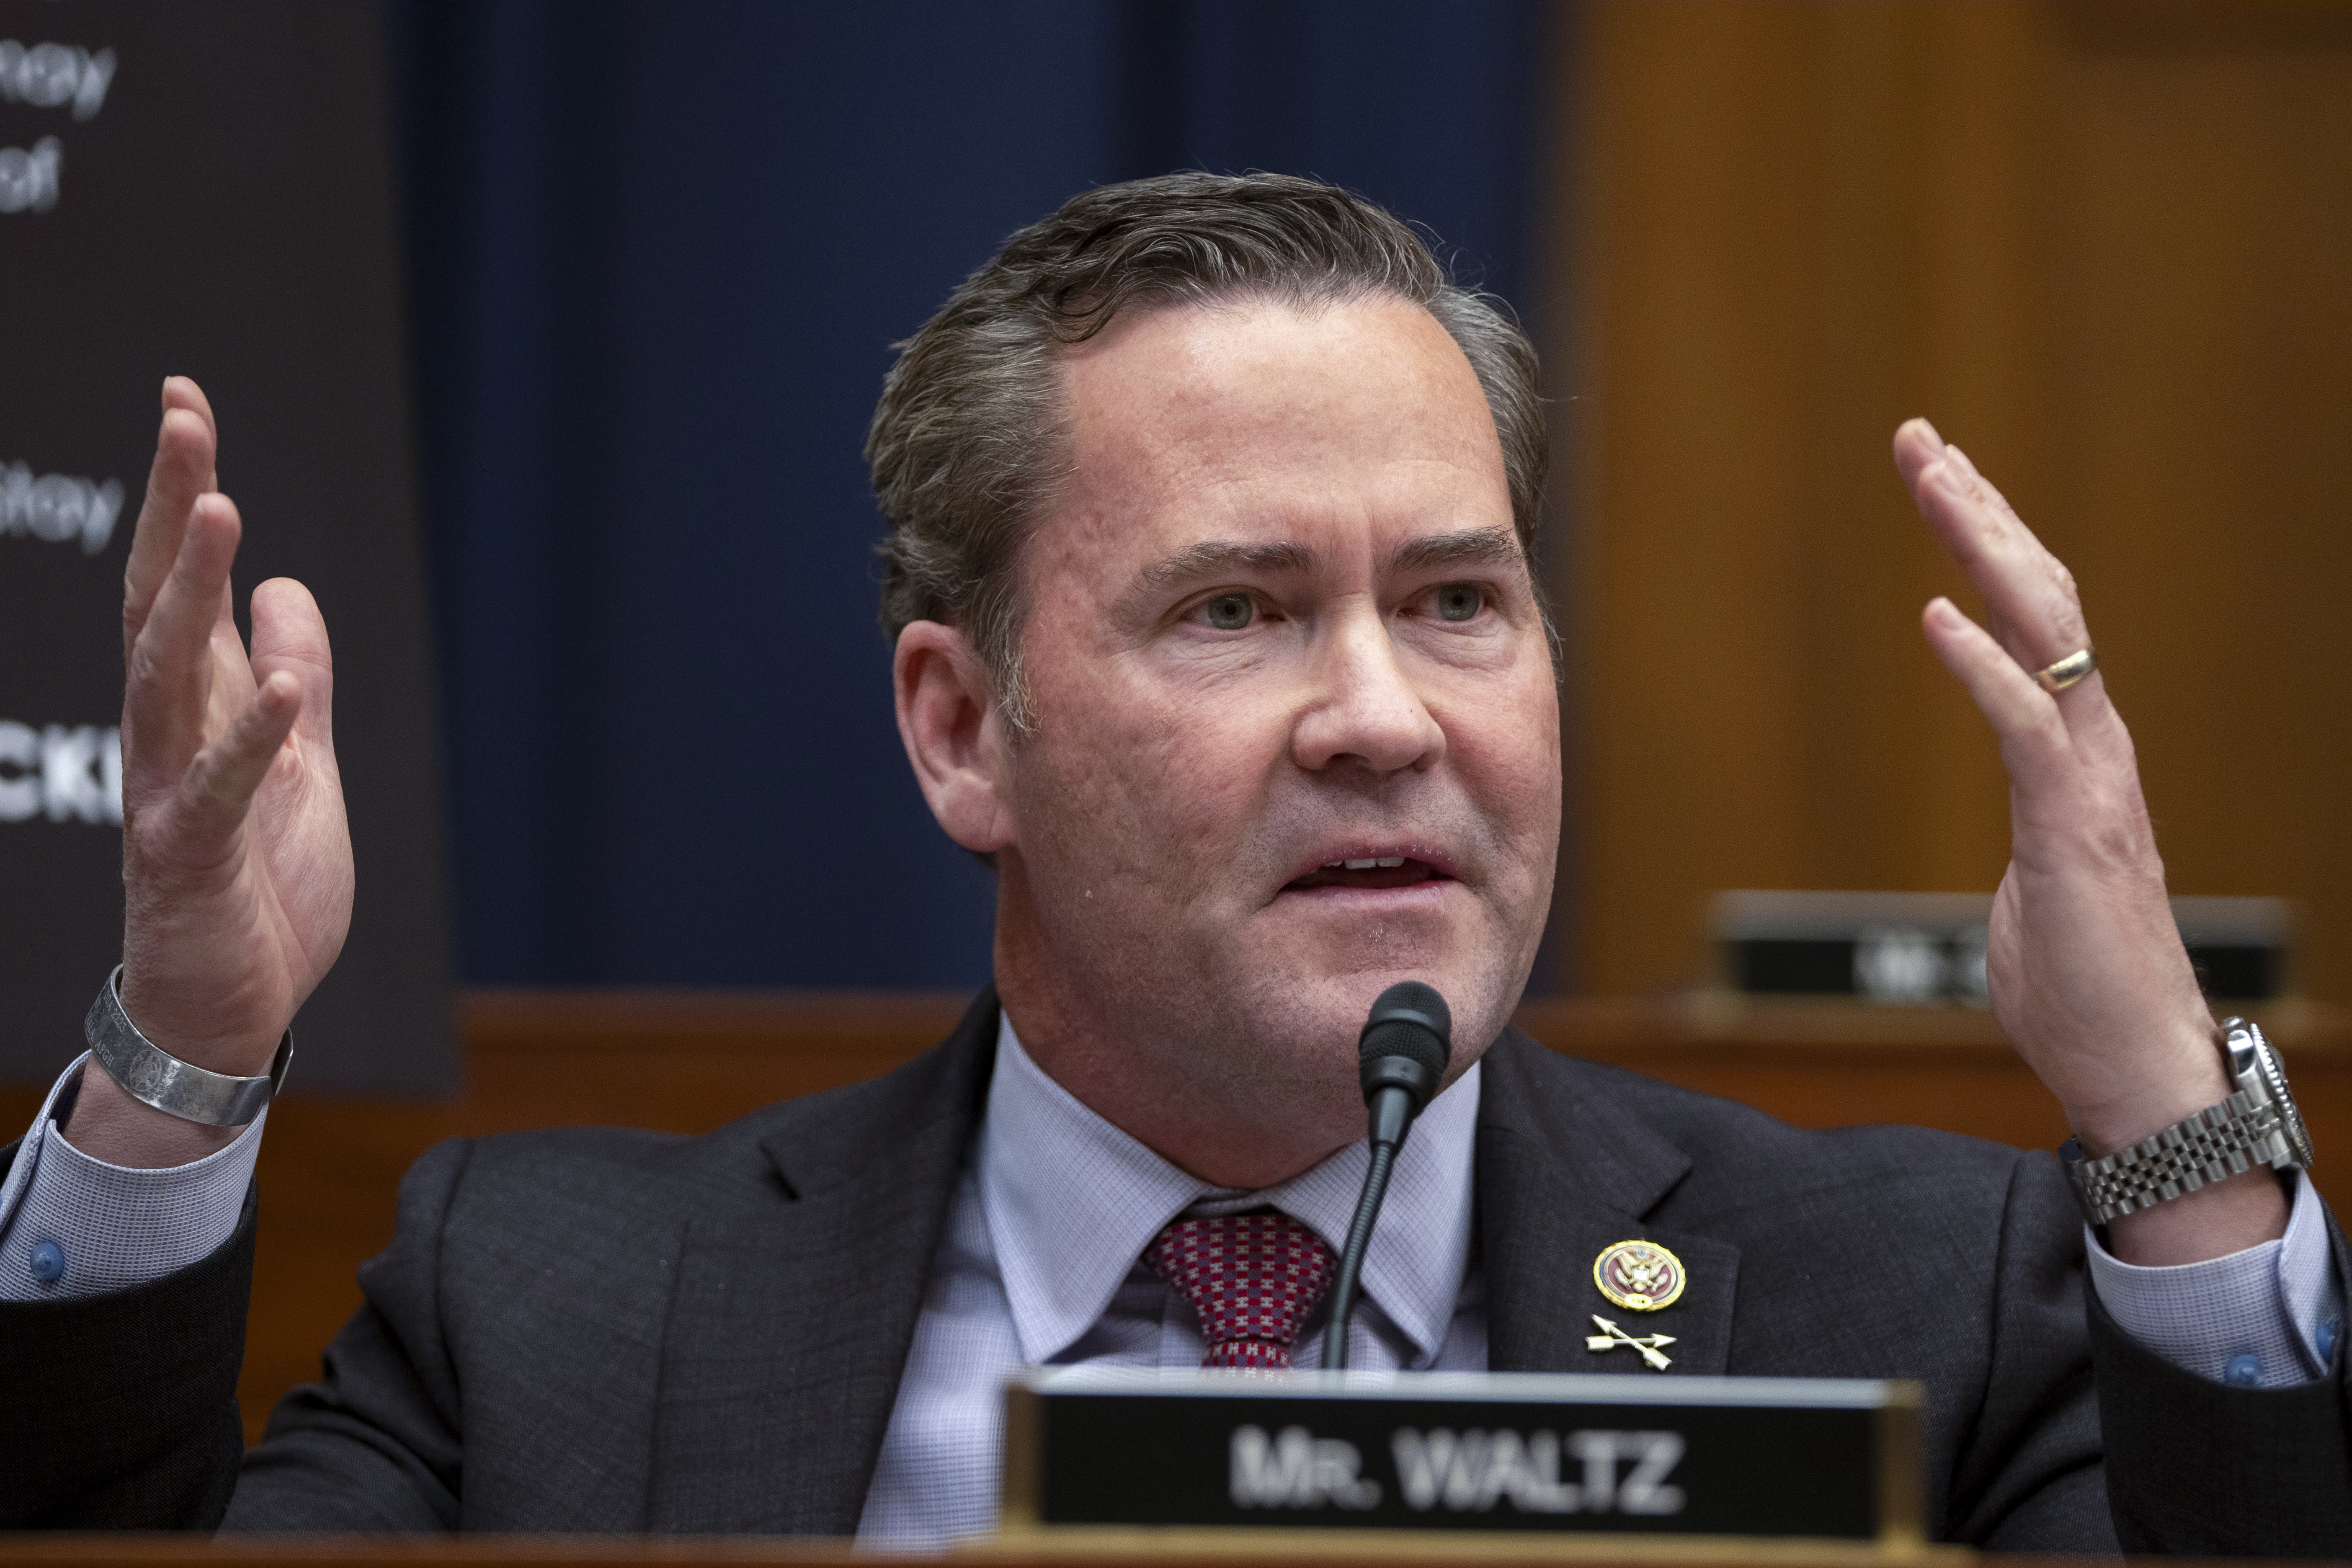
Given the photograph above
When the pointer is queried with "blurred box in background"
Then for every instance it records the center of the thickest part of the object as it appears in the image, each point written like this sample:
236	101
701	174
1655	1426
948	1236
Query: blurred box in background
1928	949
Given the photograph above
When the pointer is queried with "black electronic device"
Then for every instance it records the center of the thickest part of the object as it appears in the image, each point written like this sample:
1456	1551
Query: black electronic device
1401	1053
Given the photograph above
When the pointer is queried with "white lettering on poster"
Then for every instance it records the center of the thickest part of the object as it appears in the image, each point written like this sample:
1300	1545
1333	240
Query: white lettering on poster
55	508
51	76
66	773
30	181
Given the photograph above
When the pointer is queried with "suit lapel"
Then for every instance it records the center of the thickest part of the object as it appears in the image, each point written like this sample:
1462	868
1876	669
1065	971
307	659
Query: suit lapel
794	1312
1562	1175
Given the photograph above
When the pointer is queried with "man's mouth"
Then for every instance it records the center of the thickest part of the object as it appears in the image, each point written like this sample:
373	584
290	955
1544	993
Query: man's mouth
1376	871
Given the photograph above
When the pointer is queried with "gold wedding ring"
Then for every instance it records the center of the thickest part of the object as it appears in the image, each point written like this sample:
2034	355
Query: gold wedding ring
2067	672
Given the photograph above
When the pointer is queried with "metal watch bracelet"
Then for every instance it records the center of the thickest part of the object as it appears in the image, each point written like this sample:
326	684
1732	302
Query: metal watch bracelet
2256	1125
154	1077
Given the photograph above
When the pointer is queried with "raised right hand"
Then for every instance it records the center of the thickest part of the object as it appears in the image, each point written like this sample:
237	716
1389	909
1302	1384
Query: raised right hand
2084	963
236	859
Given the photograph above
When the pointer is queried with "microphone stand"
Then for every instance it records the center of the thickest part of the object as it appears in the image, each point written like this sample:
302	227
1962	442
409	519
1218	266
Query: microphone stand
1351	1256
1403	1054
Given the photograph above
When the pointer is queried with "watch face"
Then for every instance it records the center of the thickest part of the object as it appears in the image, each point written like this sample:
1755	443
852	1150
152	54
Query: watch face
2266	1062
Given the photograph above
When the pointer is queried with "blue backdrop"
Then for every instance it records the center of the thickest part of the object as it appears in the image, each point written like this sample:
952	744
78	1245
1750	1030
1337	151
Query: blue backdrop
658	254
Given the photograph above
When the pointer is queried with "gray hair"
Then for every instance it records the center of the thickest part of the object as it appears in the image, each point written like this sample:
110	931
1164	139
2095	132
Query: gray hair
965	447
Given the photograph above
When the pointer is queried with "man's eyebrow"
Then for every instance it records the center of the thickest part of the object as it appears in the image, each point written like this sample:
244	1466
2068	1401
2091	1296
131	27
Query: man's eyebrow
1471	547
1214	557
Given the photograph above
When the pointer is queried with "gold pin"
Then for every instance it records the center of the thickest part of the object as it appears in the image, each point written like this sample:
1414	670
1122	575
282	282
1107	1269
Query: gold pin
1640	1275
1647	1344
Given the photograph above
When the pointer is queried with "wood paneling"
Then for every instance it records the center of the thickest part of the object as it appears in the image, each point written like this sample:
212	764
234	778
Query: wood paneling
688	1062
2108	249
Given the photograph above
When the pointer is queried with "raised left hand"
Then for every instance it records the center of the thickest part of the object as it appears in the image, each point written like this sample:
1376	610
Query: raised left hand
236	858
2086	970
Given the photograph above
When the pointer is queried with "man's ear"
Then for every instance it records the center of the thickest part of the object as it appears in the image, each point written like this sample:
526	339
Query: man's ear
953	734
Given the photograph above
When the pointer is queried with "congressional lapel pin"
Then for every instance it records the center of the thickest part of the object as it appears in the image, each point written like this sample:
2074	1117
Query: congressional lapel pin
1646	1343
1638	1276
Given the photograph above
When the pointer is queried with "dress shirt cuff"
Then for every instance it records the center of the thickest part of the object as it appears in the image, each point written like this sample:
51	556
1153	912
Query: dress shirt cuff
2267	1317
73	1226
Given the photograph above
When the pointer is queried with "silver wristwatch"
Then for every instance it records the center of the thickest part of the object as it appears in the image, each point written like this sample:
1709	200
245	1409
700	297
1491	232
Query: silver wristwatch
153	1075
2257	1125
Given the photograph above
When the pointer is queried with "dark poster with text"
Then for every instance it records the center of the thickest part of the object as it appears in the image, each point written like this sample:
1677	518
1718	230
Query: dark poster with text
206	190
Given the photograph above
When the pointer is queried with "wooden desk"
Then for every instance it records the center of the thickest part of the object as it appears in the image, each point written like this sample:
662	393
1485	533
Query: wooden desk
689	1062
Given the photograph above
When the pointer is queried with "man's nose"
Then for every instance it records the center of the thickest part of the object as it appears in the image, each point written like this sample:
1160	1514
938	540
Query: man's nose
1365	708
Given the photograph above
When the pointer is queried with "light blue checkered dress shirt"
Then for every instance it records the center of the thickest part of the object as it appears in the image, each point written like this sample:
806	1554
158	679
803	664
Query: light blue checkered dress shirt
1042	1266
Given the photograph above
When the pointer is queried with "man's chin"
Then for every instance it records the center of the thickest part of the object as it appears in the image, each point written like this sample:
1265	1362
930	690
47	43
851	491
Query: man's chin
1291	990
1328	1001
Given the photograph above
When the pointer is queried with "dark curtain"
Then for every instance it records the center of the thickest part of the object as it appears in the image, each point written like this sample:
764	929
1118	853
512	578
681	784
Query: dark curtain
658	254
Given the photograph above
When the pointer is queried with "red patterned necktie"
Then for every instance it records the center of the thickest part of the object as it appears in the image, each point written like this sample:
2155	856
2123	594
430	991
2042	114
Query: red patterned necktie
1251	1276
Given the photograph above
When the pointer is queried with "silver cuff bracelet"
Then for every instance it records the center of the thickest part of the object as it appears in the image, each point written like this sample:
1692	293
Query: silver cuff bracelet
153	1075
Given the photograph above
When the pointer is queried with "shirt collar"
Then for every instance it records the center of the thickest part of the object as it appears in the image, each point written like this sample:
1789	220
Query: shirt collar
1072	1202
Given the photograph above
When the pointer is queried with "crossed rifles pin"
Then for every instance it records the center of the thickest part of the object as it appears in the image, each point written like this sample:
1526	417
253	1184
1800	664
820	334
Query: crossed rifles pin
1646	1343
1640	1276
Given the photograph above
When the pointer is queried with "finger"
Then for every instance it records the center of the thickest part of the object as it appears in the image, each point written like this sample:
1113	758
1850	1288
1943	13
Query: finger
290	635
167	677
232	673
2033	732
182	391
1916	445
183	470
2036	612
2029	595
220	782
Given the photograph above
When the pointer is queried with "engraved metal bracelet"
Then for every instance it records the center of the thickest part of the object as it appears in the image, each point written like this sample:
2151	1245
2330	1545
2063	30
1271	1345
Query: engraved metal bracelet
153	1075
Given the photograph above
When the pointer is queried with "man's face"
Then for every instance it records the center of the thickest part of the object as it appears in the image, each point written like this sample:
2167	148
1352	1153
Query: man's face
1296	732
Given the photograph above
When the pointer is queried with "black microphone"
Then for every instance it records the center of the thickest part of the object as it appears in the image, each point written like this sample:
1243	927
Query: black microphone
1402	1055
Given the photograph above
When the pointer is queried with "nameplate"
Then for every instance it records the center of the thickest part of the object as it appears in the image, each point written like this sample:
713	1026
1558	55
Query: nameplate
1761	1458
1930	948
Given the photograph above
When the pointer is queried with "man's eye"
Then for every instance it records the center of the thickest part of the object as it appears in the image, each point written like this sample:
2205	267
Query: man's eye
1460	601
1230	612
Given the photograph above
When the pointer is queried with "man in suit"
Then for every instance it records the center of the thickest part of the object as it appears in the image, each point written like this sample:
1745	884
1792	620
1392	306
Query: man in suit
1215	631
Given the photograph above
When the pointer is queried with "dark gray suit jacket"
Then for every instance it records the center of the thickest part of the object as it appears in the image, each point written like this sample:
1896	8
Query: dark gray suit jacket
598	1331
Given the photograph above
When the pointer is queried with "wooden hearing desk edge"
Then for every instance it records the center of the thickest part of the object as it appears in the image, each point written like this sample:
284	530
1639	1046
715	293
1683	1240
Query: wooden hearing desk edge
892	1026
691	1060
